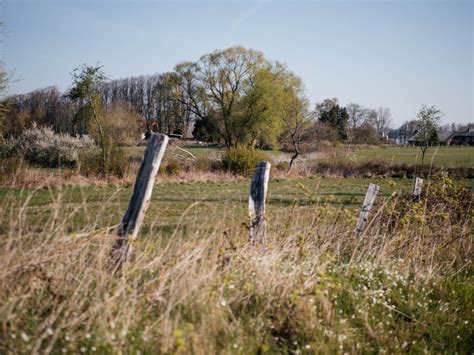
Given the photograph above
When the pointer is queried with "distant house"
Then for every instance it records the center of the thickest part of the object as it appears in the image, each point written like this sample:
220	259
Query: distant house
465	137
414	140
445	138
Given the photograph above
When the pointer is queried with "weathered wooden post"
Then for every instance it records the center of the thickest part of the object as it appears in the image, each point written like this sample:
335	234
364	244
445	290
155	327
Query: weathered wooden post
257	198
417	187
370	196
133	218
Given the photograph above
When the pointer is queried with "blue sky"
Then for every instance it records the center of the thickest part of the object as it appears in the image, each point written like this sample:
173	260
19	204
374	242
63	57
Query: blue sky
397	54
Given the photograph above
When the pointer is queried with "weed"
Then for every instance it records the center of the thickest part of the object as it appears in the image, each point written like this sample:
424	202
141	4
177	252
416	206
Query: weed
242	160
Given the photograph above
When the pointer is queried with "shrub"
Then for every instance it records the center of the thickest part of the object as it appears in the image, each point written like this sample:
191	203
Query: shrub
202	164
282	166
442	202
7	148
90	163
207	164
173	167
10	167
122	125
242	160
365	134
40	145
116	162
383	169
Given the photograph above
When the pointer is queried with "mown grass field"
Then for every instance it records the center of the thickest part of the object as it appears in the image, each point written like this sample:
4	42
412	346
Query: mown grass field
448	157
442	156
183	203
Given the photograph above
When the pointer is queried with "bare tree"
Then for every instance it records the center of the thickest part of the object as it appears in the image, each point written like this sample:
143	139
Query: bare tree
382	121
356	115
153	97
296	118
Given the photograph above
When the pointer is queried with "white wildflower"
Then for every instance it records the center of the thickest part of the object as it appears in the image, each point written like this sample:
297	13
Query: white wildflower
24	336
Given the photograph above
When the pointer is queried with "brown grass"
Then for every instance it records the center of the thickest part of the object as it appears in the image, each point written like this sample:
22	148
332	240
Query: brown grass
315	288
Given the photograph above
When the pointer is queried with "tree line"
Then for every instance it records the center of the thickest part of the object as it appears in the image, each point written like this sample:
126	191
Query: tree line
147	96
232	96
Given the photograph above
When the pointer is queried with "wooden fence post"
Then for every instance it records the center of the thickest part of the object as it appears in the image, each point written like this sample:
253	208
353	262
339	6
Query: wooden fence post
257	198
417	187
370	196
133	218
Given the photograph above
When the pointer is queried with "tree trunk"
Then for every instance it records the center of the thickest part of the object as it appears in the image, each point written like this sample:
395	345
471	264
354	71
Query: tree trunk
297	153
101	132
423	151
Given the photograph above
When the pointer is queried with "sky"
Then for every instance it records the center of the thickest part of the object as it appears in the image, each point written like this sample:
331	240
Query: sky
399	54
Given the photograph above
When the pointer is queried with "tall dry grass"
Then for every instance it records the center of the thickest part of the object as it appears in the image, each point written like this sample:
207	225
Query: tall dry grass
405	285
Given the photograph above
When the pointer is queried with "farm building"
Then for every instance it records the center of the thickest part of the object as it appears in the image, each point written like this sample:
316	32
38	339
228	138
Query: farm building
445	138
414	140
465	137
